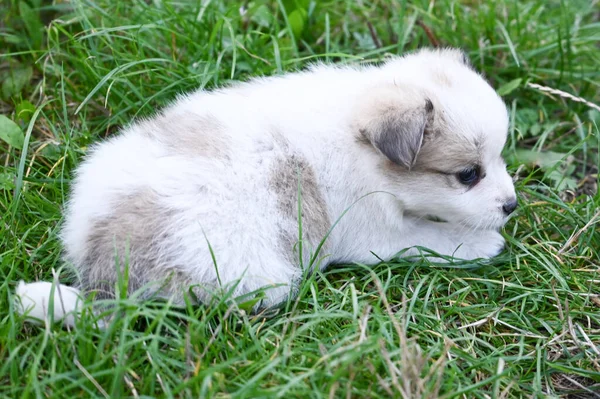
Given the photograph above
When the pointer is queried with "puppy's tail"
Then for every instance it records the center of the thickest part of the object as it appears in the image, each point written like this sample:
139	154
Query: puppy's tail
37	301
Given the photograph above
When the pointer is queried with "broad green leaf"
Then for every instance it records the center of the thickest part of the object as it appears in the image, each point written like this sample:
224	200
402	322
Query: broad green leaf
297	19
561	182
294	4
11	133
33	24
557	167
7	181
24	110
12	39
52	152
249	304
509	87
544	160
261	15
15	81
535	129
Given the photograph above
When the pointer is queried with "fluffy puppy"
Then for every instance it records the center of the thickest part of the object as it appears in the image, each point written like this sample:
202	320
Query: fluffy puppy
382	150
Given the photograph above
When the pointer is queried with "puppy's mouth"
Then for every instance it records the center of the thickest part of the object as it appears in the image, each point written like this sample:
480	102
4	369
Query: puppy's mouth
482	225
435	219
430	217
496	224
490	225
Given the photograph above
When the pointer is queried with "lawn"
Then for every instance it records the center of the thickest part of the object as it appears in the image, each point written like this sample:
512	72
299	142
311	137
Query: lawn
526	324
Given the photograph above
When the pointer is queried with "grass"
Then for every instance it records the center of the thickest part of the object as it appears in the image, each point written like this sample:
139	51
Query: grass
525	325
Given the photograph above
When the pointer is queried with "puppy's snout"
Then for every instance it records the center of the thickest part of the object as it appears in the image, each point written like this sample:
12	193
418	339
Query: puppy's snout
509	206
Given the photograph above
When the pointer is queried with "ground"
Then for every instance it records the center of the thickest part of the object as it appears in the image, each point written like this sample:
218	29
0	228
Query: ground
526	324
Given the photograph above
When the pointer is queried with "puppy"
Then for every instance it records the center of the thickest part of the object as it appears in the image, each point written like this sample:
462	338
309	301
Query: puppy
284	174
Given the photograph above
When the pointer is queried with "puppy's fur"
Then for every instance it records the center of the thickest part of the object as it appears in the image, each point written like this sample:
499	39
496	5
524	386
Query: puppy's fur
225	168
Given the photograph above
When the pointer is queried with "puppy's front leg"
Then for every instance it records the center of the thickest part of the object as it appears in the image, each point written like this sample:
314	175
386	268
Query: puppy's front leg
457	241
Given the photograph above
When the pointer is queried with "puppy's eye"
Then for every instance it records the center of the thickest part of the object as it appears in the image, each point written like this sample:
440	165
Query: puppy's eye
469	176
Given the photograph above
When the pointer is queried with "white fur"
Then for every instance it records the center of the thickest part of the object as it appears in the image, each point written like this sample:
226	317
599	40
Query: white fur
33	300
227	199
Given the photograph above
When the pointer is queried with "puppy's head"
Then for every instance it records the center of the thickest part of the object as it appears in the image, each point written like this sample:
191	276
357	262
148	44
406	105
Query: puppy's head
439	129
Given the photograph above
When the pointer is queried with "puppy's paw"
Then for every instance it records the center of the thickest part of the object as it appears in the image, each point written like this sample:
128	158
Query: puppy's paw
481	244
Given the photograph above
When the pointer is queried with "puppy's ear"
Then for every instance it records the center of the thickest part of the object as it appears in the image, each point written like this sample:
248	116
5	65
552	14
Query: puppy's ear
464	58
395	125
459	54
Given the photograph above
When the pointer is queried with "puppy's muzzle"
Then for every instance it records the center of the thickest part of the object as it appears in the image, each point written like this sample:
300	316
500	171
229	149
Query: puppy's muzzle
509	206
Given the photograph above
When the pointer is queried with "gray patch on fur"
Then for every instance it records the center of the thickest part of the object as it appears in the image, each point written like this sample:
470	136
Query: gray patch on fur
189	134
135	236
441	156
449	154
285	175
399	133
280	141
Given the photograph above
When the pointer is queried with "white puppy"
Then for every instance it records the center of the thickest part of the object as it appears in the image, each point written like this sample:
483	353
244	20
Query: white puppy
395	146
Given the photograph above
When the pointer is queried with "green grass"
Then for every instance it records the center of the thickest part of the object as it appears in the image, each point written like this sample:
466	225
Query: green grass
526	325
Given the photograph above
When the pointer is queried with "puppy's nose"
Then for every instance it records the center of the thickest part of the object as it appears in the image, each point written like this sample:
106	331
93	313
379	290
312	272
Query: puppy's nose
509	206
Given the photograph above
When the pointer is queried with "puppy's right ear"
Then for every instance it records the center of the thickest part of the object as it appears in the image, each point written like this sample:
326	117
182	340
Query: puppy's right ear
395	123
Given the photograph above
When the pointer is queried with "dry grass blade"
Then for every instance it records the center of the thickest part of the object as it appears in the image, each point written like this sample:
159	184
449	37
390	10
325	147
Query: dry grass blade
91	378
563	94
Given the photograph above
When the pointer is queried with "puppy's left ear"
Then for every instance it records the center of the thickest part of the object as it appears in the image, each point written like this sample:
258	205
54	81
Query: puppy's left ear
457	54
464	58
395	124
